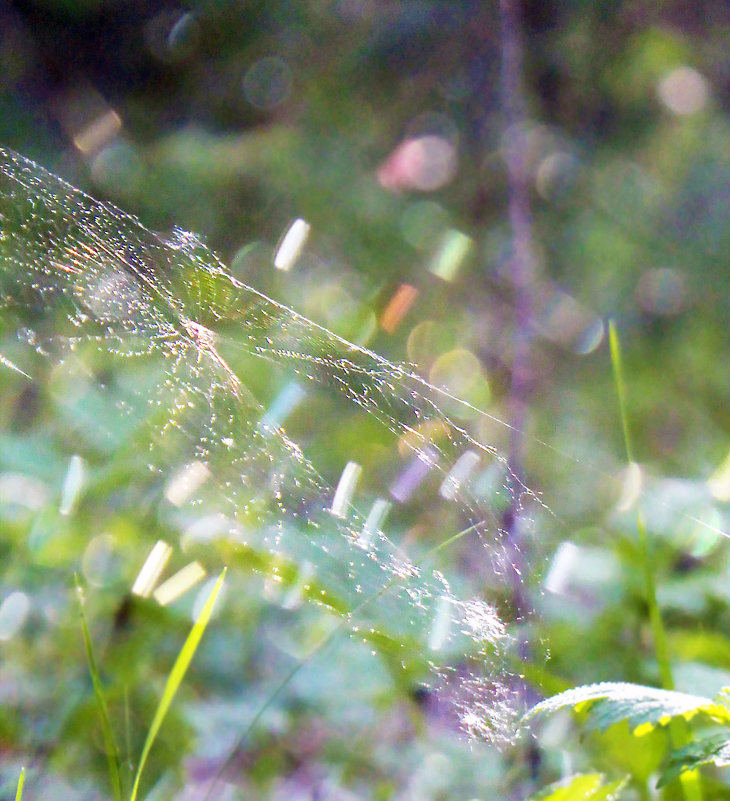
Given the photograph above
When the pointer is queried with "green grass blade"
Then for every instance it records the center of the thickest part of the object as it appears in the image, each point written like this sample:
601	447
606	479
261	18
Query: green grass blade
175	678
618	377
21	782
110	746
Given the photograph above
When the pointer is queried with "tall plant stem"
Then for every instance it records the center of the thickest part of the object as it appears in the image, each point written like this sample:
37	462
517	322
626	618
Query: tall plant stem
690	781
521	270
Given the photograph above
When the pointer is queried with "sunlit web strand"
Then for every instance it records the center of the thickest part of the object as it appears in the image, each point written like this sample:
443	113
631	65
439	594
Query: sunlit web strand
402	372
35	180
36	183
192	382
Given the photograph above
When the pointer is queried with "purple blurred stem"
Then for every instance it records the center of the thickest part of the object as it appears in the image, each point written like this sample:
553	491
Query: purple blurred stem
522	268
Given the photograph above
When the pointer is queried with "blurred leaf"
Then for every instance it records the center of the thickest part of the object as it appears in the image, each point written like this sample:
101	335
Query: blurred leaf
582	787
618	750
713	750
712	648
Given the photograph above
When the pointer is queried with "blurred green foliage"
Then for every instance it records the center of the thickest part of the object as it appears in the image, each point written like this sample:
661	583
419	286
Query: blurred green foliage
231	119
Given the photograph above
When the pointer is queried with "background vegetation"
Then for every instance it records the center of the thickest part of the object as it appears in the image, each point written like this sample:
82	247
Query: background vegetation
383	125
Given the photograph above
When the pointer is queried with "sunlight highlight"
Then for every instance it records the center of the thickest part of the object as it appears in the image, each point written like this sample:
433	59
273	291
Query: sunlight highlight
341	503
72	484
178	584
292	245
186	482
152	569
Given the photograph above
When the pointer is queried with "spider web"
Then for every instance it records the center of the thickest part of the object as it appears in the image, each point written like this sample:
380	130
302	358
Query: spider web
126	328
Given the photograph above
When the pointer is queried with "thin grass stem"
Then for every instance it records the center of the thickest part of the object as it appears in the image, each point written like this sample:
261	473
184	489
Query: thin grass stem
690	780
110	746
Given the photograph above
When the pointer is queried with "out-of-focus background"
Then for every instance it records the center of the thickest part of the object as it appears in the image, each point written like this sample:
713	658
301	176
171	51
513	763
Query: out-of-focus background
382	125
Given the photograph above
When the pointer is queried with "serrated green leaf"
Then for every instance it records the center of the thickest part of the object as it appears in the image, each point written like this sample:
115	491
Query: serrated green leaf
642	707
581	787
713	750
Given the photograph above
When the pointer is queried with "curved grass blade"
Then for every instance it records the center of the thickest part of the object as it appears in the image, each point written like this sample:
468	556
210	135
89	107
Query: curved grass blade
175	678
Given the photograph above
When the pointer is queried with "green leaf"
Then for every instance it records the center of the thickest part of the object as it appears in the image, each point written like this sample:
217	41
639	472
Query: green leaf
174	680
582	787
713	750
642	707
